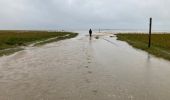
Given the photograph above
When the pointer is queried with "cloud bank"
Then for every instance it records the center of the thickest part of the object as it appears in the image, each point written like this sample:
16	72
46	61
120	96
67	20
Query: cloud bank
82	14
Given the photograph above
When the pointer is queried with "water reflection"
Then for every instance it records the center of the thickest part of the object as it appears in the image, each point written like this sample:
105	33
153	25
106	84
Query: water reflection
148	59
148	79
90	40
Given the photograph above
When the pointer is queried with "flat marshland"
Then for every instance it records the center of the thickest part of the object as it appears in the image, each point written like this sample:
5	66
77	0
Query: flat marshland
13	39
160	43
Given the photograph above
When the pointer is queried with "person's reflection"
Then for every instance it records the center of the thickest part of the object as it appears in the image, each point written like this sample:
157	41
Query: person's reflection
90	40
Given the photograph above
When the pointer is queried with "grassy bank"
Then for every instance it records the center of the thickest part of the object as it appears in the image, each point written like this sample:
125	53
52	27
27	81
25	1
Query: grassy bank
11	41
160	45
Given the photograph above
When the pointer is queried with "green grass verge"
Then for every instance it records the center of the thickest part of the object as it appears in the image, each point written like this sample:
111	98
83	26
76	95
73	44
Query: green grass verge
9	51
11	41
160	45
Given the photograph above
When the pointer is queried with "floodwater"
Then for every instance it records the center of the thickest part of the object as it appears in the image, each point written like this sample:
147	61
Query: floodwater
83	68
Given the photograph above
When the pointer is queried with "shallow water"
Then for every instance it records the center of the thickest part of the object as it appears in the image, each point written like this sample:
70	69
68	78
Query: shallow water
81	68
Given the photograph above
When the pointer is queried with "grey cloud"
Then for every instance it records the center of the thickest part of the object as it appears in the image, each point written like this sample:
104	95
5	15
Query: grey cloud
54	14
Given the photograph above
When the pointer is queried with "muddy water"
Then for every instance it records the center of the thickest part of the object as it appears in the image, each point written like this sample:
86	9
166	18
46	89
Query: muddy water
100	68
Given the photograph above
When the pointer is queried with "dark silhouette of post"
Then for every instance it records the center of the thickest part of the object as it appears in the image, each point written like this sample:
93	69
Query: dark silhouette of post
150	32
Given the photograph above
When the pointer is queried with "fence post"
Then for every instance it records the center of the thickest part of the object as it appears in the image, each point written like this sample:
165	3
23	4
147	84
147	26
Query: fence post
150	32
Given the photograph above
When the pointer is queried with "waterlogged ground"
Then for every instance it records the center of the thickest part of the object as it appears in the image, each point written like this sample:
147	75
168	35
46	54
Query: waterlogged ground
83	68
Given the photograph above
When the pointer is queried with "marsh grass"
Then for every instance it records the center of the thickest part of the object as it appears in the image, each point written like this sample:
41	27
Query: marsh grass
160	45
15	39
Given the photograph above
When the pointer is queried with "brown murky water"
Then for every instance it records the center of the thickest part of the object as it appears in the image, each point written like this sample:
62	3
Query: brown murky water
100	68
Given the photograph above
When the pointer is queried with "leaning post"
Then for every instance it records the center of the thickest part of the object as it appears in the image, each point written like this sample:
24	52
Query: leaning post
150	32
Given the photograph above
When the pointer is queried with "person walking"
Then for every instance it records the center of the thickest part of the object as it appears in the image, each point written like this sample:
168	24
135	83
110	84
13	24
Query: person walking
90	32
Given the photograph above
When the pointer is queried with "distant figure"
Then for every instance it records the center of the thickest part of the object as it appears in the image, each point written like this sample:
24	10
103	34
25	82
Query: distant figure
90	32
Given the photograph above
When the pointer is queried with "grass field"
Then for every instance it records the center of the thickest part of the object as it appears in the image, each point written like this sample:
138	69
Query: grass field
160	45
13	39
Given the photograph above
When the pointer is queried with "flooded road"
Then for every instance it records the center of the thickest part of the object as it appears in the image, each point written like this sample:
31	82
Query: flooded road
83	68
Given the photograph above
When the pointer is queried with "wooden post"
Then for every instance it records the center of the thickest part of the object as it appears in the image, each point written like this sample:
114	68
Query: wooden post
150	32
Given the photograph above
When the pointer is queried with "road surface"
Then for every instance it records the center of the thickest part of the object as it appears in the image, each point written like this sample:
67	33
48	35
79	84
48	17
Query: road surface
83	68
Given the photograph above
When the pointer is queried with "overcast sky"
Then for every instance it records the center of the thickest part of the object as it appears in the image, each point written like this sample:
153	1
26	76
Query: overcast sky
82	14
